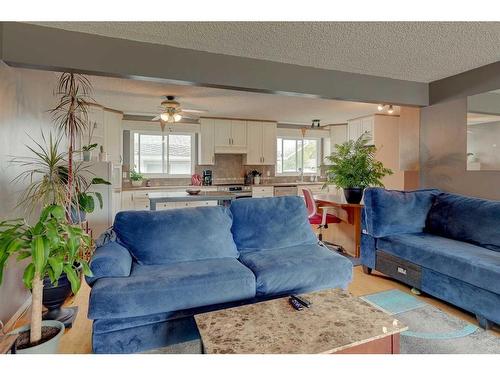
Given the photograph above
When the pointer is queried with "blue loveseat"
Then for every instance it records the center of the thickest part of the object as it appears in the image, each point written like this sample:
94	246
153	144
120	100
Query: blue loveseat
444	244
162	267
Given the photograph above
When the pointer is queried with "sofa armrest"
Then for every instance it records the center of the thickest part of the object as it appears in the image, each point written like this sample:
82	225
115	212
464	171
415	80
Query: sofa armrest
110	260
395	212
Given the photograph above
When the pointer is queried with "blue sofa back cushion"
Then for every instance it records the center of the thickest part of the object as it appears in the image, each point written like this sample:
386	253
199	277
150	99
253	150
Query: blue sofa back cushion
270	223
394	212
164	237
467	219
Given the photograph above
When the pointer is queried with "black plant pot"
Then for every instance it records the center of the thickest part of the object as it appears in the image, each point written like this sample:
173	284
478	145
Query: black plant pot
53	299
353	195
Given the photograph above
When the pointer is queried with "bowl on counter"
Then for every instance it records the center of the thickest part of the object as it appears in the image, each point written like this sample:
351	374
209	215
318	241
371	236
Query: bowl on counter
193	191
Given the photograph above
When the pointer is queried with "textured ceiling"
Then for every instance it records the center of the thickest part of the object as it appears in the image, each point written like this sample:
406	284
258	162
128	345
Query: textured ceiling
414	51
141	97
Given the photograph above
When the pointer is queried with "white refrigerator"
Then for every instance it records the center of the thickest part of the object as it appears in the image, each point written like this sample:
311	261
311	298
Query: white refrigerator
102	219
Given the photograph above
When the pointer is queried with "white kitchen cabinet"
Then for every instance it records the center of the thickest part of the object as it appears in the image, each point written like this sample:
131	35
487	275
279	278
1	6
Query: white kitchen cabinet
357	127
113	136
338	135
106	129
206	146
261	143
230	136
262	191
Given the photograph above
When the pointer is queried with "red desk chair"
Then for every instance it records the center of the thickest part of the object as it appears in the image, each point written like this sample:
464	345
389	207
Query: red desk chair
315	217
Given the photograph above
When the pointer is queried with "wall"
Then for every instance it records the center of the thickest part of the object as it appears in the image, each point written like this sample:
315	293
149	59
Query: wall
443	147
25	96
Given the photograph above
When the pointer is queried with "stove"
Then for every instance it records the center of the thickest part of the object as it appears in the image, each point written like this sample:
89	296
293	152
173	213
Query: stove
240	190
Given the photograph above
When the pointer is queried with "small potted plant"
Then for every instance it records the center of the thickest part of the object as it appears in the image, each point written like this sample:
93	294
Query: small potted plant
87	151
53	247
136	178
256	176
85	199
354	168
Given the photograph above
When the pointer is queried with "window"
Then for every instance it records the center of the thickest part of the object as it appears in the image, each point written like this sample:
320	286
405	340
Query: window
164	154
295	155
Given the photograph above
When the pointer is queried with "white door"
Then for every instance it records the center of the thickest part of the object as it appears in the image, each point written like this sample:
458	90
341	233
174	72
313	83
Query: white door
238	133
269	135
222	132
254	143
206	142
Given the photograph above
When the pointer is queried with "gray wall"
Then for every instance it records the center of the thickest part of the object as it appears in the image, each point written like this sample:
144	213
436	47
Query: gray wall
443	147
25	96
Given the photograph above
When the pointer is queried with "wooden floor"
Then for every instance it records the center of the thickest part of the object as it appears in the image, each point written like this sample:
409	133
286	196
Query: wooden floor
77	340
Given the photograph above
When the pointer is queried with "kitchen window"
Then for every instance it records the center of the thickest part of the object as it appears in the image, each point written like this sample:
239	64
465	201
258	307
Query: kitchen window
296	155
163	155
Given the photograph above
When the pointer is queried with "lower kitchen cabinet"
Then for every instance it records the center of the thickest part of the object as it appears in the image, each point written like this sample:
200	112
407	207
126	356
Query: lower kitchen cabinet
262	191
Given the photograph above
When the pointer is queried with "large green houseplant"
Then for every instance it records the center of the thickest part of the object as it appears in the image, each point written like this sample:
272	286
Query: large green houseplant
354	168
51	246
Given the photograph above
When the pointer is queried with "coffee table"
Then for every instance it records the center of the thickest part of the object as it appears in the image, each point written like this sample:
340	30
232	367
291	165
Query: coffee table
337	322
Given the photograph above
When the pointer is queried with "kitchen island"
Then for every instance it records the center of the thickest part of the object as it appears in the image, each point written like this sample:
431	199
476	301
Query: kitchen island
222	197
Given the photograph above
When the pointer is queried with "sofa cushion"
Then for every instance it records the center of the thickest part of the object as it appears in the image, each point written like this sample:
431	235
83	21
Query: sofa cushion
467	219
171	287
166	237
109	260
298	269
473	264
392	211
270	223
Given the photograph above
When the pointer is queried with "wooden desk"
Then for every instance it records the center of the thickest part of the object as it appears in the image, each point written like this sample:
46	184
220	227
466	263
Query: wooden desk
348	232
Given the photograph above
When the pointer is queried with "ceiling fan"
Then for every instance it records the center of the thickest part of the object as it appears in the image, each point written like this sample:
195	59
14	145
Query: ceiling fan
171	111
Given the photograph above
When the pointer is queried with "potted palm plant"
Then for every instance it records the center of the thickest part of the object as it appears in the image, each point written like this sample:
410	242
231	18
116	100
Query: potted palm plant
354	168
53	246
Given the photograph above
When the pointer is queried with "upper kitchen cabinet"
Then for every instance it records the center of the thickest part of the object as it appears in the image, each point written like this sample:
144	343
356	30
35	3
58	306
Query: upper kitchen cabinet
113	135
359	126
230	136
261	143
206	142
105	129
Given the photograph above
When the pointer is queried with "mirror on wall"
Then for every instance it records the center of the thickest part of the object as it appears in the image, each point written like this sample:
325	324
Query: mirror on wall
483	131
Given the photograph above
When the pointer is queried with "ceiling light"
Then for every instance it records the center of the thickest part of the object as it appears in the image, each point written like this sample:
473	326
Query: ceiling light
390	110
164	116
177	117
315	124
380	107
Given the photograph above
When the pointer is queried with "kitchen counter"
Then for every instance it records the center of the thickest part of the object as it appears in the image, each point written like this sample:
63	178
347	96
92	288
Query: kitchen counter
184	187
166	197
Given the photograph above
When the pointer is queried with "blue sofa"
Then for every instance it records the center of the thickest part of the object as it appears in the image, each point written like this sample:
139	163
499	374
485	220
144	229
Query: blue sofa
160	268
444	244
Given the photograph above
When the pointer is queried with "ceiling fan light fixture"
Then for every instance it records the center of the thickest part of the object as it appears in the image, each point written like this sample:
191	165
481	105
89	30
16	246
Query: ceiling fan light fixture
164	116
380	107
177	117
390	110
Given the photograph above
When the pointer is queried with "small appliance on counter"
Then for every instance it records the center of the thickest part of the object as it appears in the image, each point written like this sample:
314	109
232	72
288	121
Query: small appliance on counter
196	180
207	177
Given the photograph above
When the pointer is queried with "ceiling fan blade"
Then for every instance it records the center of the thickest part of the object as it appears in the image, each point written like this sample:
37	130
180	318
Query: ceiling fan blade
194	110
156	118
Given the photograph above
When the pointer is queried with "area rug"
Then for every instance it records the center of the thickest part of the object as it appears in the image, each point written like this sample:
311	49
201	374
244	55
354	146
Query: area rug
432	330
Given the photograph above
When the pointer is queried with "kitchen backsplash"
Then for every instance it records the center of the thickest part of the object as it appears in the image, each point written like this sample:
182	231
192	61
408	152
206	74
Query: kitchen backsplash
228	168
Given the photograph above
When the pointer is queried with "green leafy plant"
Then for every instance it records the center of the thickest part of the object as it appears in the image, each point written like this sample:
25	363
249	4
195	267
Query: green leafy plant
353	165
53	246
86	198
136	176
89	147
46	174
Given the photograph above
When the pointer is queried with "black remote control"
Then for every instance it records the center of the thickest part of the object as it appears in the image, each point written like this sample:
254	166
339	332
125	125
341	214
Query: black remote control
295	304
302	301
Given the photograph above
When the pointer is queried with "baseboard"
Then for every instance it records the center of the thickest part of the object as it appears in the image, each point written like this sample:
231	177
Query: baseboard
18	314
